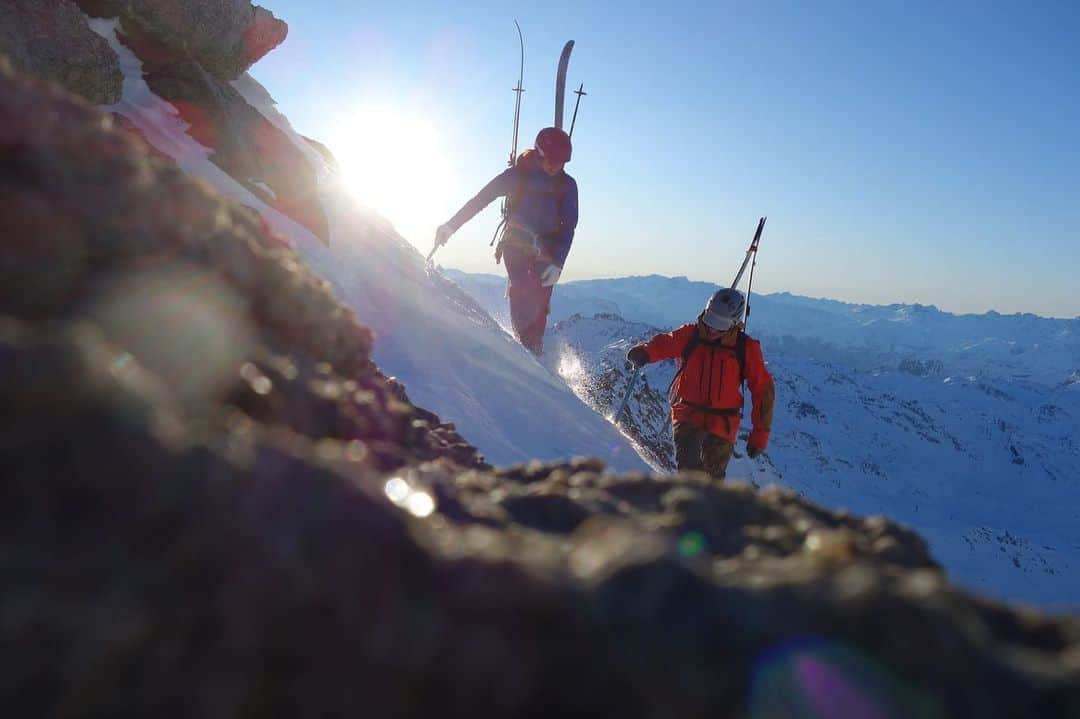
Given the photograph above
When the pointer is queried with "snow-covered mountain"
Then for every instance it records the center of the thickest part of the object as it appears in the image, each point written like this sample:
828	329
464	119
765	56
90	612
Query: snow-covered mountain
889	410
451	355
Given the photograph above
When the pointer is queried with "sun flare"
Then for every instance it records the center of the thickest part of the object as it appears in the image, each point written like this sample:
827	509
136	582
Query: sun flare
391	160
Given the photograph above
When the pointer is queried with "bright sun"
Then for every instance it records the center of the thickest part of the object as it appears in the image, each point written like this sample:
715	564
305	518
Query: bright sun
392	161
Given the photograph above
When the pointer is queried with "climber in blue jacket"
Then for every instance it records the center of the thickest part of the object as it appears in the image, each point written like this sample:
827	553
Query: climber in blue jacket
540	223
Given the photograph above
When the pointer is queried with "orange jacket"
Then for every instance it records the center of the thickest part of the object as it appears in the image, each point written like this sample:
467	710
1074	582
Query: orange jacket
711	381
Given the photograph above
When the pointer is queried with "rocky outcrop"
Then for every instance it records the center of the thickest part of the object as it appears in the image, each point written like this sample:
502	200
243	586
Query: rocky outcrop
246	145
225	37
51	40
263	33
214	504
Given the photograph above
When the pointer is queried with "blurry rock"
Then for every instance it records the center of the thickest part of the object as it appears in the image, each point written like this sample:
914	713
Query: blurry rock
223	36
51	40
263	33
547	512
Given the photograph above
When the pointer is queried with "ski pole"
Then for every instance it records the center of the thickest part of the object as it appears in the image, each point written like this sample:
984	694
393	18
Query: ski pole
579	92
504	210
518	90
626	397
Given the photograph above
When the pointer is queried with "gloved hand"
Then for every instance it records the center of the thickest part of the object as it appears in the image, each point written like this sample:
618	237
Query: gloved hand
637	356
443	234
752	451
550	275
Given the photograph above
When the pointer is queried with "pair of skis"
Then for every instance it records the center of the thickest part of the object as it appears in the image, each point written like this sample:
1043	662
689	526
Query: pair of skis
560	92
750	253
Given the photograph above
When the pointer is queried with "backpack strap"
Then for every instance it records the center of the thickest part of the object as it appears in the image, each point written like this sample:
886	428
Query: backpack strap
519	189
740	355
562	182
508	209
692	344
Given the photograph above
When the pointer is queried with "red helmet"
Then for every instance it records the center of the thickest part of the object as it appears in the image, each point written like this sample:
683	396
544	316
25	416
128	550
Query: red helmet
554	144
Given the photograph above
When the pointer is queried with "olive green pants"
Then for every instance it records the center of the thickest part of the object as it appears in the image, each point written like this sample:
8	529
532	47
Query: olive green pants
697	449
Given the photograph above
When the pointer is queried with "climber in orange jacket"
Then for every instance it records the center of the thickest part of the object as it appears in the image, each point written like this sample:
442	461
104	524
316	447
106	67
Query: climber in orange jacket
715	358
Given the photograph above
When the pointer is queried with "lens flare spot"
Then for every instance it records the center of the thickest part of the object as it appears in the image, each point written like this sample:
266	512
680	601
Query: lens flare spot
182	324
121	364
420	504
356	451
692	544
816	677
260	383
397	489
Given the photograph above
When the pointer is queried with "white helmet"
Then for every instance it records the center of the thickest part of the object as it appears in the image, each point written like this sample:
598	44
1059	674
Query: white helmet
724	309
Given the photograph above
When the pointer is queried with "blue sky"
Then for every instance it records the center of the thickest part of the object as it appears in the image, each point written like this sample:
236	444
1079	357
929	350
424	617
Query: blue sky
904	152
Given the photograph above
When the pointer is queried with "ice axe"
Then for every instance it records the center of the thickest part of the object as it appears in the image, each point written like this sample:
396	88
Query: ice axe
442	236
429	266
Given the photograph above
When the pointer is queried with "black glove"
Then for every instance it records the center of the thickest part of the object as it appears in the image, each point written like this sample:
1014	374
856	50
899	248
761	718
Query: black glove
637	356
752	451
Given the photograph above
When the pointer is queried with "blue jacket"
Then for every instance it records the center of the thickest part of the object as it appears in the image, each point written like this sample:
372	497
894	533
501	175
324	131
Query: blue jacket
544	204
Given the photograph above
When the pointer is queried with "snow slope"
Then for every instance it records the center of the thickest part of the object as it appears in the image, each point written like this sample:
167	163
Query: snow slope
451	356
957	439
